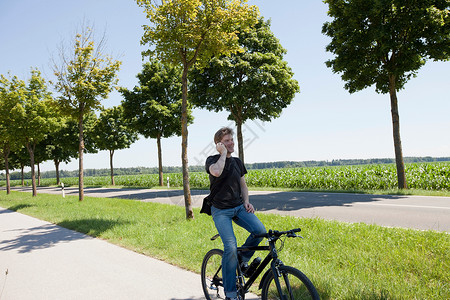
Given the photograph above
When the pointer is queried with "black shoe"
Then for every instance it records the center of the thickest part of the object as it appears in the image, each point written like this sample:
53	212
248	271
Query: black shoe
252	267
244	267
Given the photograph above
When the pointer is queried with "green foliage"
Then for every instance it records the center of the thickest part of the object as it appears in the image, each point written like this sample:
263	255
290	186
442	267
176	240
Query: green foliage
11	90
112	131
154	107
254	84
85	76
36	114
62	144
189	31
375	39
344	261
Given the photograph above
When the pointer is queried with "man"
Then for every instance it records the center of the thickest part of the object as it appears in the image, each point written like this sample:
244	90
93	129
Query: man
230	202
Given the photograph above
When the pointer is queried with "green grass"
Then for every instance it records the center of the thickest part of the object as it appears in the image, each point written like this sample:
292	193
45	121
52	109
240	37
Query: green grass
345	261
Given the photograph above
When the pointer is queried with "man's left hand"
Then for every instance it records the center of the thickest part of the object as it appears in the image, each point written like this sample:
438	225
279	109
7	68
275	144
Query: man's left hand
249	207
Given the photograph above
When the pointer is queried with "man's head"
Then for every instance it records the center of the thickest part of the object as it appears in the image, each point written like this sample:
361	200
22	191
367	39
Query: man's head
225	136
221	133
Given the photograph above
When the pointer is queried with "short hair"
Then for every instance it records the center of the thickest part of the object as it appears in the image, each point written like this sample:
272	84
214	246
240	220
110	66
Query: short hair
221	133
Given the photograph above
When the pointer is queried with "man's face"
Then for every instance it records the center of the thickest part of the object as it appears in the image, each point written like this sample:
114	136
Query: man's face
228	142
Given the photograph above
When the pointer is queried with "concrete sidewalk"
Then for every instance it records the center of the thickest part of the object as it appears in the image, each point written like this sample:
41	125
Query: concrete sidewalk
40	260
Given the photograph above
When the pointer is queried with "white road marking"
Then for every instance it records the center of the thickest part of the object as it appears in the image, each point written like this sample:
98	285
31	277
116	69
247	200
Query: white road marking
400	205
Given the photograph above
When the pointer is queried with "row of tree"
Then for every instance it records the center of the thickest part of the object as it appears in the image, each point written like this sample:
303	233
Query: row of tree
252	83
34	129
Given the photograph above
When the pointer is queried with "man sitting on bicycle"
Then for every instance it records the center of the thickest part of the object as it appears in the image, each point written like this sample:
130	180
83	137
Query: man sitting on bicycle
230	202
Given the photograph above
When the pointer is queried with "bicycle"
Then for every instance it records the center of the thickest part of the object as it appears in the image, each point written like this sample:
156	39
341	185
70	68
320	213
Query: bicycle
278	282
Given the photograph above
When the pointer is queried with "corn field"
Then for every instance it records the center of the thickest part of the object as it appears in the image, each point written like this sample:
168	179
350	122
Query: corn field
424	176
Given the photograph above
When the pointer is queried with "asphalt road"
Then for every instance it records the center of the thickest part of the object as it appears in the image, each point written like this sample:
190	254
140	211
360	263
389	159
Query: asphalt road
417	212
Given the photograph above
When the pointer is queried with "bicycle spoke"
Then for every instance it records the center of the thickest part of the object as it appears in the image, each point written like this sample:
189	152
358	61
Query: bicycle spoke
212	276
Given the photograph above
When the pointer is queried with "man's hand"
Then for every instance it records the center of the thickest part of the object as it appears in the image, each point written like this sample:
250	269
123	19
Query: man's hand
249	207
221	148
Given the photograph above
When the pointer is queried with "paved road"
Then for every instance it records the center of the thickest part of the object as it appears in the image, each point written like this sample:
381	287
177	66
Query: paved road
39	260
417	212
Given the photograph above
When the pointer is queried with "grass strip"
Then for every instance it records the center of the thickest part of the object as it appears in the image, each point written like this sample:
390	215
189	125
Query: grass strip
345	261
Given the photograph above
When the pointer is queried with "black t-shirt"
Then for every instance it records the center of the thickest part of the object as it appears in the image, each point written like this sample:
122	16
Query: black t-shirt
227	187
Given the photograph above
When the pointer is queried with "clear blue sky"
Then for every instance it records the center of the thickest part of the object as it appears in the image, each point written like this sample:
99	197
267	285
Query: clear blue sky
324	121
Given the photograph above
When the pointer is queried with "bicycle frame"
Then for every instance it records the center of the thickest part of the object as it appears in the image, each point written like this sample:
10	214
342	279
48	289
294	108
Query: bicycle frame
271	257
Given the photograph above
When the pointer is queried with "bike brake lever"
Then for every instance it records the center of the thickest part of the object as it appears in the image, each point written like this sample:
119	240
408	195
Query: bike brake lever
293	235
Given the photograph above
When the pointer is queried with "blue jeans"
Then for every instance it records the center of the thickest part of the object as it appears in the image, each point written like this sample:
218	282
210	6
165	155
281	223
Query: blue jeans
223	220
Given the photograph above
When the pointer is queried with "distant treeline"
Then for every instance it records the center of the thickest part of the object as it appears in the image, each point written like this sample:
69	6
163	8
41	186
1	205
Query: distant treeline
266	165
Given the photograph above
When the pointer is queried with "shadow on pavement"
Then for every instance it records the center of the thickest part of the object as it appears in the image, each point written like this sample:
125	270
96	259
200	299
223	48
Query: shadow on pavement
290	201
39	237
262	201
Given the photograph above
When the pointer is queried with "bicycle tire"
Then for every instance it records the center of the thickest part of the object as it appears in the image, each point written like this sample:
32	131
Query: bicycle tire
211	275
295	285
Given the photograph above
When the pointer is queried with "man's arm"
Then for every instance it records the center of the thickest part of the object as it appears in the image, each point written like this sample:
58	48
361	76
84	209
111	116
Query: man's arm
216	169
244	192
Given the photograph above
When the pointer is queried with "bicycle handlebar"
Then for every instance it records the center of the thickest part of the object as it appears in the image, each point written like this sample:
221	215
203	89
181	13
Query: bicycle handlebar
275	233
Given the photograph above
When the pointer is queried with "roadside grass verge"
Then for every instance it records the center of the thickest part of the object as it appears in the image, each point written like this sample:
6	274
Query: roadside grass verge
345	261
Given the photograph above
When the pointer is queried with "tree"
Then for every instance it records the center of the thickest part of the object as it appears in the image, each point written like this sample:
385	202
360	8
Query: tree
62	144
254	84
154	107
11	91
112	132
188	32
85	76
20	158
35	116
384	43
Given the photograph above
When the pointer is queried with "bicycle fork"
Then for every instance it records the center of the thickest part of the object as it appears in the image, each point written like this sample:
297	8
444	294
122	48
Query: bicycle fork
277	275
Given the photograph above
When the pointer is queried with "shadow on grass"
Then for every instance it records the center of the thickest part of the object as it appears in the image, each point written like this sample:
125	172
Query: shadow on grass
20	206
92	227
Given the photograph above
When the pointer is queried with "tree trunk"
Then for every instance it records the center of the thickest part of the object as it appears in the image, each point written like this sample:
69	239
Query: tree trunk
56	161
111	154
39	174
33	174
184	143
396	133
160	166
22	166
80	157
8	182
240	140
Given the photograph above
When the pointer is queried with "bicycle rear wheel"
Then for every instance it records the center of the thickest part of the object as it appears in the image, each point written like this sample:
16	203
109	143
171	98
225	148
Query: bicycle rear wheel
211	275
294	285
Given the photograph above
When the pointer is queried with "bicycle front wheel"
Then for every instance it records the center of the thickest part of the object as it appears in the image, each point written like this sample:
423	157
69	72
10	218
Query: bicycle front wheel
211	274
294	285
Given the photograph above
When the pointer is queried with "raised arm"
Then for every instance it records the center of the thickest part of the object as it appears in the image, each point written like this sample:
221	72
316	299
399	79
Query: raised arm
216	169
